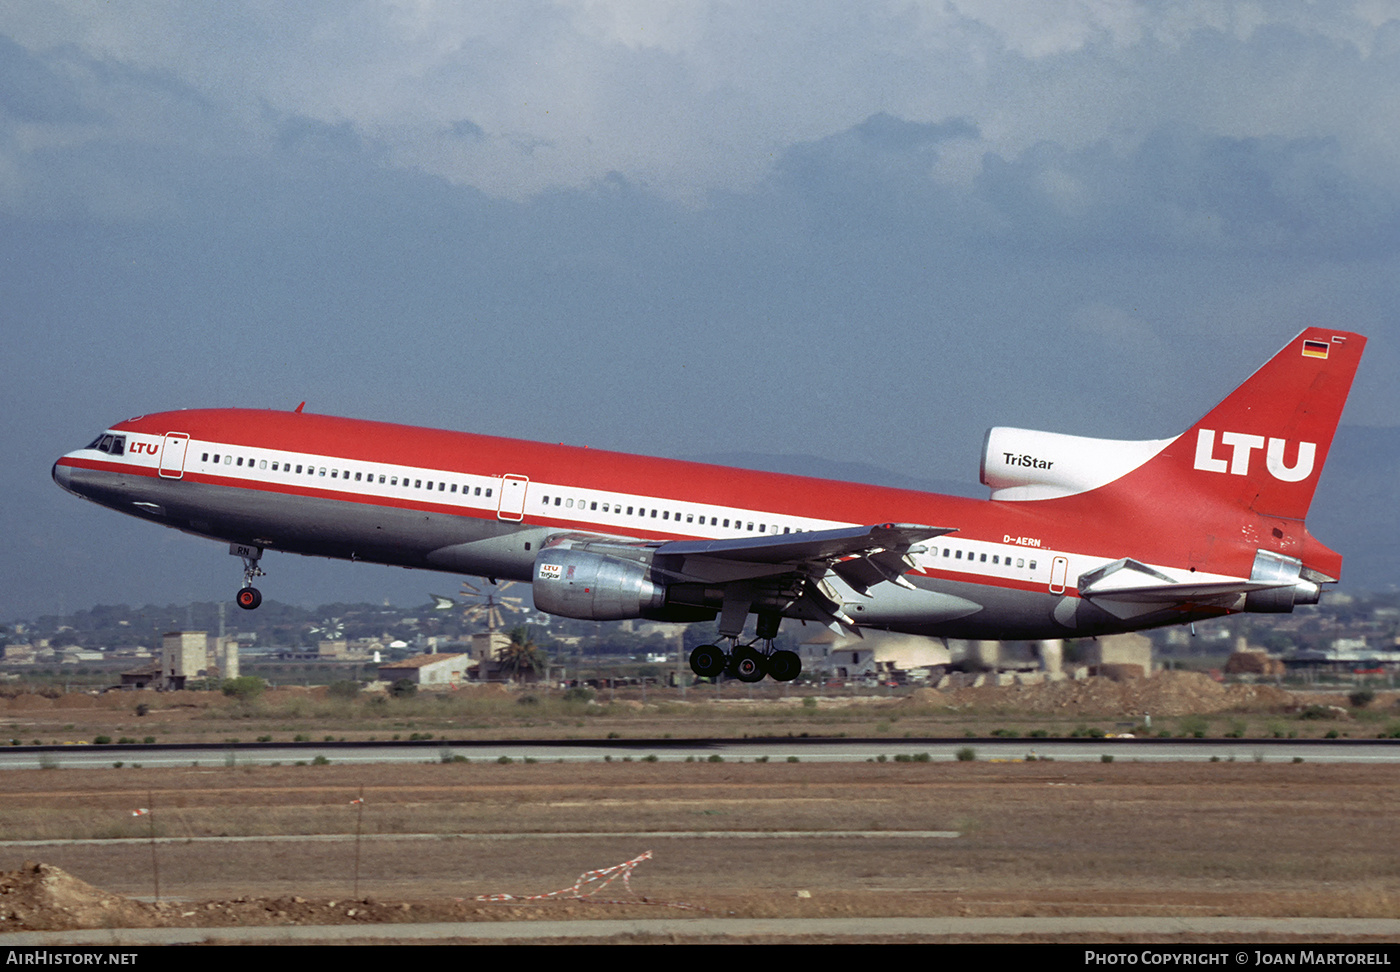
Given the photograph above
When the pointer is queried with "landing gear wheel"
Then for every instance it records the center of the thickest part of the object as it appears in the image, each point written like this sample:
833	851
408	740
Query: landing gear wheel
708	661
747	665
249	598
784	666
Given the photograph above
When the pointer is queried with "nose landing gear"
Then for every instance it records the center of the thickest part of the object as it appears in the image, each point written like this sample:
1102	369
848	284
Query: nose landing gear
248	597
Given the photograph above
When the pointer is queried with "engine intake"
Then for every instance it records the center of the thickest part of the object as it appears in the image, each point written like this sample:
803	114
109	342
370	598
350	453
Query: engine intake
1023	464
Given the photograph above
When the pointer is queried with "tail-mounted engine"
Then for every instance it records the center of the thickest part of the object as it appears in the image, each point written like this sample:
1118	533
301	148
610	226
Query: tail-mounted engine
1023	464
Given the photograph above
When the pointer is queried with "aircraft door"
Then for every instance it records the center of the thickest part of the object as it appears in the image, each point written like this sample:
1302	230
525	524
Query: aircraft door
172	455
513	489
1059	570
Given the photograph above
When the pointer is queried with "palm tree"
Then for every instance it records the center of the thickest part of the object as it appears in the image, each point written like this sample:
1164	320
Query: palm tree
521	655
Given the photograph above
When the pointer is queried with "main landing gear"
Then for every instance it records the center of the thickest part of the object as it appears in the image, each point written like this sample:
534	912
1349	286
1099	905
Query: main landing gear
248	597
748	663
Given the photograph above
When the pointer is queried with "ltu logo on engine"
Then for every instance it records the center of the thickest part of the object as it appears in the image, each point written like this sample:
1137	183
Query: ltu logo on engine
1243	445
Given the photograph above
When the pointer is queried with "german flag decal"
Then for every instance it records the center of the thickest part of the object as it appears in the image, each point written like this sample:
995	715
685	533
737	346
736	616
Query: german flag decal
1315	349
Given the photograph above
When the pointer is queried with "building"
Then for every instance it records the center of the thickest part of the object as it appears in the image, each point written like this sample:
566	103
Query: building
183	655
428	671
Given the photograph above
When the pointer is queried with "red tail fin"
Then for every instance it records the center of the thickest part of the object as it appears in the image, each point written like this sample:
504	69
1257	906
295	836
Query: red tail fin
1264	446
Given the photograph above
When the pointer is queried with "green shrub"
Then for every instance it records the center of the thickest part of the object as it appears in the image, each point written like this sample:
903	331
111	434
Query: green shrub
966	754
245	688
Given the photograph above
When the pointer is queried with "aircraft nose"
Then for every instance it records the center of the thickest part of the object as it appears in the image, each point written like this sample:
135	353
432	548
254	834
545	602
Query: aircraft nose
63	475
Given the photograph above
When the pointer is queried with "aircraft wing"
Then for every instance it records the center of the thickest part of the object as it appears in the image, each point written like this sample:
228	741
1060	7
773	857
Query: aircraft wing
792	549
861	556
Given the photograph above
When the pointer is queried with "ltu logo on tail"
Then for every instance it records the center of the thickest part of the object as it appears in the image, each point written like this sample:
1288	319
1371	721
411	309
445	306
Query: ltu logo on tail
1243	445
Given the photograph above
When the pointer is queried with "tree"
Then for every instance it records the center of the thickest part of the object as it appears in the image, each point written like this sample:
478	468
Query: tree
521	658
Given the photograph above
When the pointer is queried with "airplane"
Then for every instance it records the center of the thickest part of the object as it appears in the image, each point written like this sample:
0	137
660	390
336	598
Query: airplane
1080	536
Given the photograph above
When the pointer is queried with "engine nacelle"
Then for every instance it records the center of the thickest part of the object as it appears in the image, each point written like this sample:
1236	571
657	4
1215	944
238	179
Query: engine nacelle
1023	464
592	586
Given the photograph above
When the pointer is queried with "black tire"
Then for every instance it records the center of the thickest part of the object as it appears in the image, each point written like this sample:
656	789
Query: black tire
708	661
784	666
747	665
249	598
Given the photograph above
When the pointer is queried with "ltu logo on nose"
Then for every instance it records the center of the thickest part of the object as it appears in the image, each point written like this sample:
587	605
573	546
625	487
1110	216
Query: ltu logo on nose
1243	445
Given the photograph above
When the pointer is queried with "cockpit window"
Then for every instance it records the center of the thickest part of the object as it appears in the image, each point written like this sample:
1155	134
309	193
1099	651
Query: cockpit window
113	445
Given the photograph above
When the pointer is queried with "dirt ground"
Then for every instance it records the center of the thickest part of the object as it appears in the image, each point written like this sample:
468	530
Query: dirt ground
1034	839
1177	703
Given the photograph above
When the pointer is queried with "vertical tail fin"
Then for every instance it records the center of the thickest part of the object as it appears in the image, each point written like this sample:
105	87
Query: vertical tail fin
1264	446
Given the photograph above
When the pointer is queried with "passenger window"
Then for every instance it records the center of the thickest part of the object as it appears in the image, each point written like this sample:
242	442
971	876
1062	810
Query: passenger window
1020	562
323	470
984	558
263	464
568	504
228	460
593	506
488	492
333	472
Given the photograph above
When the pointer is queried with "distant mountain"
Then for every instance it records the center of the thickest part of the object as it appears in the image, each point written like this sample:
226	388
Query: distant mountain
1356	510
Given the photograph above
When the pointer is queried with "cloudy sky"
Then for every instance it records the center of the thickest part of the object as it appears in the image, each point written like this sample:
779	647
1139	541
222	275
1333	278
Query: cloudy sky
863	232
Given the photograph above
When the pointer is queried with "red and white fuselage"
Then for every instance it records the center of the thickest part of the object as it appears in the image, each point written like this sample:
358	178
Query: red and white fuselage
1080	536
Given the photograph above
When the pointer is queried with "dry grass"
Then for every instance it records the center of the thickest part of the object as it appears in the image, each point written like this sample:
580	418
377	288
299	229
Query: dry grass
1063	838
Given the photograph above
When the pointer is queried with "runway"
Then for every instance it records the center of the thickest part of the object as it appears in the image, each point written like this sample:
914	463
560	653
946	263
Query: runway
734	750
